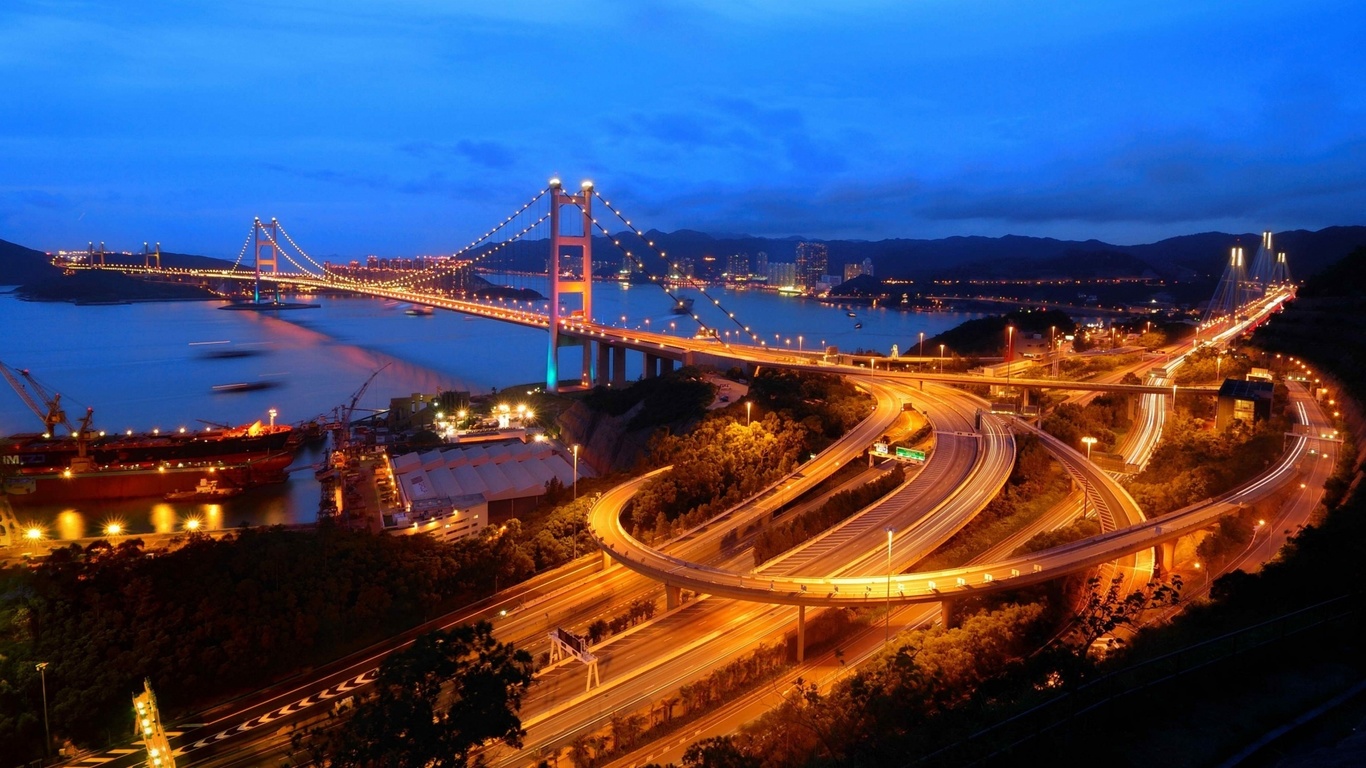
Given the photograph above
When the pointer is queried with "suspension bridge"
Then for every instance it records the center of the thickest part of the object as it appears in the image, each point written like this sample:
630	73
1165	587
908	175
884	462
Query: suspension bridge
563	223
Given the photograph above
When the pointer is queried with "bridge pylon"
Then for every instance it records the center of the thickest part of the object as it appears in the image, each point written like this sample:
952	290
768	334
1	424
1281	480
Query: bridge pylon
266	237
559	286
148	257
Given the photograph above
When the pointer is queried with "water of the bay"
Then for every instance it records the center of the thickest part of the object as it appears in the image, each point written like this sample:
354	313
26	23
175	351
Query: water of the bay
155	365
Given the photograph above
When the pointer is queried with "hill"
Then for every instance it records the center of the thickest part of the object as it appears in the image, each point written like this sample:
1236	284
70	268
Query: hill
1199	257
19	265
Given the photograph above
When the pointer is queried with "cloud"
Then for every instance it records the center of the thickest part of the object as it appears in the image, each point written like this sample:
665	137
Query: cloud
493	155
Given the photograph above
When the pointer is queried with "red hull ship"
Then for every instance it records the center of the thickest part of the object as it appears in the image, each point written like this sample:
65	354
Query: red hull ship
86	465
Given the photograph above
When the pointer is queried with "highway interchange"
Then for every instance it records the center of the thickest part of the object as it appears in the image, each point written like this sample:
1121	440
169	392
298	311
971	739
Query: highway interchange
845	566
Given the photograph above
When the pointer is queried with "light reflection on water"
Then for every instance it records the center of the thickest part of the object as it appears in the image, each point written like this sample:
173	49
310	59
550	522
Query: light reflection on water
147	365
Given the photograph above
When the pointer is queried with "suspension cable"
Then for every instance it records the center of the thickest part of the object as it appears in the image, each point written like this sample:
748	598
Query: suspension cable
692	282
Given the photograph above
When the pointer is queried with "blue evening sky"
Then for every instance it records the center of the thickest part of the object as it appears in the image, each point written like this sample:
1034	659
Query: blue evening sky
402	127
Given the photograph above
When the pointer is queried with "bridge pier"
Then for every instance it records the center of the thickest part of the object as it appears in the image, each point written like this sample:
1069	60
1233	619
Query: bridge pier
673	597
1165	555
619	366
602	378
666	365
801	634
949	613
606	560
651	365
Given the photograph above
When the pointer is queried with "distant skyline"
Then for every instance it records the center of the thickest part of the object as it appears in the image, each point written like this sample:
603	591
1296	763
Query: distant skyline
412	126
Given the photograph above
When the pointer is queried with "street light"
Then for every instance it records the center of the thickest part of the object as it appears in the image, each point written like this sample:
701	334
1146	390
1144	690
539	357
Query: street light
922	345
272	413
941	358
1010	348
887	622
799	343
576	471
47	731
748	405
1090	441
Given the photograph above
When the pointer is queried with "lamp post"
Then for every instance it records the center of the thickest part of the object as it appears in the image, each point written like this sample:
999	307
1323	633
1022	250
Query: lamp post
1090	441
922	345
799	343
1010	349
887	622
576	471
748	405
272	413
47	731
941	358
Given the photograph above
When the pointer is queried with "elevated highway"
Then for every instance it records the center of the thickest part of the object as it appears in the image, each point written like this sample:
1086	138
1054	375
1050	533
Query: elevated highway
930	586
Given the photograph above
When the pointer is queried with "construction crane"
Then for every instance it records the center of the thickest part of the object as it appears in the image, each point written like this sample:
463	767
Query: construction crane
341	439
51	409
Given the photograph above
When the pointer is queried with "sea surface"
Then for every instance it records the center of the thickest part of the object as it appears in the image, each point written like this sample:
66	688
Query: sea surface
156	365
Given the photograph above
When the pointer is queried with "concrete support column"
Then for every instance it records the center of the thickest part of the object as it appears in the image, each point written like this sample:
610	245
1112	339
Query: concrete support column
619	366
948	613
602	378
801	634
651	365
673	597
590	373
666	365
1165	554
606	560
1132	402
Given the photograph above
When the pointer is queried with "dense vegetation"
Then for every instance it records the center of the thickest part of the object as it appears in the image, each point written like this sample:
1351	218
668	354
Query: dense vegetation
1193	463
987	335
1102	418
724	460
789	533
433	705
678	395
214	617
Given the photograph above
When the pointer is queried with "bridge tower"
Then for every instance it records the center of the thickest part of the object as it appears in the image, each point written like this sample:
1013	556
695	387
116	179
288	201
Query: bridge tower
93	256
266	237
149	256
583	286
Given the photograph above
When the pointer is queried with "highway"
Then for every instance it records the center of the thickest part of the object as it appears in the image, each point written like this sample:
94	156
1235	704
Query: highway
848	563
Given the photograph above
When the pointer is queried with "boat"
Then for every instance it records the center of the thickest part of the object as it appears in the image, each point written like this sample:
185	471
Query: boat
858	326
682	306
86	464
242	386
207	490
417	310
851	314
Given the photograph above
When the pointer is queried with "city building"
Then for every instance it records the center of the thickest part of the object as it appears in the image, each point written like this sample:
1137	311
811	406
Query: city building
782	273
855	269
812	259
737	266
760	266
1246	401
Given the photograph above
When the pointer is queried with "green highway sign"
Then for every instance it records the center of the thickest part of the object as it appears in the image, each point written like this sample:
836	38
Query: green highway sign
910	453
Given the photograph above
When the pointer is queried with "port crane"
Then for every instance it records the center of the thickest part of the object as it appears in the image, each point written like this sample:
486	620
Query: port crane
341	439
51	411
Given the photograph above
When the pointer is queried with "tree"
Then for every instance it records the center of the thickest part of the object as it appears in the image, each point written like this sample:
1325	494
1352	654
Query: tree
434	703
1103	612
718	752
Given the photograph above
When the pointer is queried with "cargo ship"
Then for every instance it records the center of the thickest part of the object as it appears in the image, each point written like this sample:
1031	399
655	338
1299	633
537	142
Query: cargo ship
87	464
